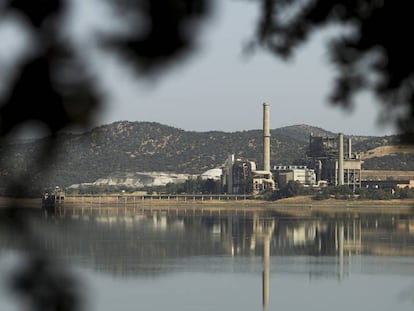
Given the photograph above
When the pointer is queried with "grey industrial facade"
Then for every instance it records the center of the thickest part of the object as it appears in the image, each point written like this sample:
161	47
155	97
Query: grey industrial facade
326	163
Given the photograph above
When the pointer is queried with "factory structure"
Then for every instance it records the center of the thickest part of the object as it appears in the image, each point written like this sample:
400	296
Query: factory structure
326	164
241	176
327	157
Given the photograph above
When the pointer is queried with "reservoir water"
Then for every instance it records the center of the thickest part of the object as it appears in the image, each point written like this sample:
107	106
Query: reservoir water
158	260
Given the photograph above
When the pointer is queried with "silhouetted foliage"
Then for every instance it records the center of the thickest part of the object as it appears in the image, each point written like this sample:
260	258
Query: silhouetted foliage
371	54
53	87
47	286
168	31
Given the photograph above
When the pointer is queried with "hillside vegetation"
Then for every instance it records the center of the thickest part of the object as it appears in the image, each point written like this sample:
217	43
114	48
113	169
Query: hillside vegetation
144	146
387	151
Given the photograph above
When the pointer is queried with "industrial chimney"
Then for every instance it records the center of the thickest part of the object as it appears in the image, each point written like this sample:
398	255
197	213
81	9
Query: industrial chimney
266	137
340	159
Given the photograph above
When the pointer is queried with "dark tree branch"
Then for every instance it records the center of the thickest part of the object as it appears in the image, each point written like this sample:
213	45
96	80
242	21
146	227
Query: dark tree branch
379	29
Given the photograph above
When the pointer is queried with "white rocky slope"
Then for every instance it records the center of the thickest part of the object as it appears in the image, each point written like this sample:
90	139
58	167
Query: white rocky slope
138	180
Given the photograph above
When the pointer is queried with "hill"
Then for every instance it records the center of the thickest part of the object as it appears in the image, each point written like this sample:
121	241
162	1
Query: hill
129	147
301	132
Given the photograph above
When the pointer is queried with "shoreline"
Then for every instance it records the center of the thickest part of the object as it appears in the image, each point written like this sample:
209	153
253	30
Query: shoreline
298	204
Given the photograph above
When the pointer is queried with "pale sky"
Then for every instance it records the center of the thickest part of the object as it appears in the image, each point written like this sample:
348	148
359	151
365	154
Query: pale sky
219	88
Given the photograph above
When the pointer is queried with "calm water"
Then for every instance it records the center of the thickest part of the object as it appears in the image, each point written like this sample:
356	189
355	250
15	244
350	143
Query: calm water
165	261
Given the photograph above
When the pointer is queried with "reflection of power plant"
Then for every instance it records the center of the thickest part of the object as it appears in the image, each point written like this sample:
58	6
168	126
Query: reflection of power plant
129	244
316	237
263	228
266	271
241	176
271	236
326	156
254	233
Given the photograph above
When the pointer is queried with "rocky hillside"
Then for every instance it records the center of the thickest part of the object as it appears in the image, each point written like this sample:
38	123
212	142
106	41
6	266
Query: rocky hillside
129	147
301	132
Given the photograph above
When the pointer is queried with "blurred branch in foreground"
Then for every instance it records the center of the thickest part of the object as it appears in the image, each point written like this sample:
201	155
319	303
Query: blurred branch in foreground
51	83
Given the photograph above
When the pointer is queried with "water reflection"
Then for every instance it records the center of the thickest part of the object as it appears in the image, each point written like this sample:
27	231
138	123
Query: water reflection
266	271
132	243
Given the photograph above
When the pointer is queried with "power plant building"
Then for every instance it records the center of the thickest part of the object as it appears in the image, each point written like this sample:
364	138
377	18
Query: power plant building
327	157
240	176
326	163
300	173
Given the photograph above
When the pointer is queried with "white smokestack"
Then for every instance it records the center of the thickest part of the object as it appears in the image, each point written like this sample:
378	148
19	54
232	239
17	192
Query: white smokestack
266	137
340	159
349	148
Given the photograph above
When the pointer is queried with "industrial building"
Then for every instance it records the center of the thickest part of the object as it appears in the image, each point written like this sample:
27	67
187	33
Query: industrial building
238	176
241	176
326	164
326	156
301	173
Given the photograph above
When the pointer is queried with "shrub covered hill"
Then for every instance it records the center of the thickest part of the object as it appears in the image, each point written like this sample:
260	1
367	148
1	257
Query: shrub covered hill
143	147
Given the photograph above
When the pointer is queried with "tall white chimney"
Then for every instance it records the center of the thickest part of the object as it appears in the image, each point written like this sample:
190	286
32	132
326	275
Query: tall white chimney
266	137
340	159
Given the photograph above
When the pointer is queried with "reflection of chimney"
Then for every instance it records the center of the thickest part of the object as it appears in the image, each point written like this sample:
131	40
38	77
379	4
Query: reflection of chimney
349	148
266	137
266	271
341	251
340	159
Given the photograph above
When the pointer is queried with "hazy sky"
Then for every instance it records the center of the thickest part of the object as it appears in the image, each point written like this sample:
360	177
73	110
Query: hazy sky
219	88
